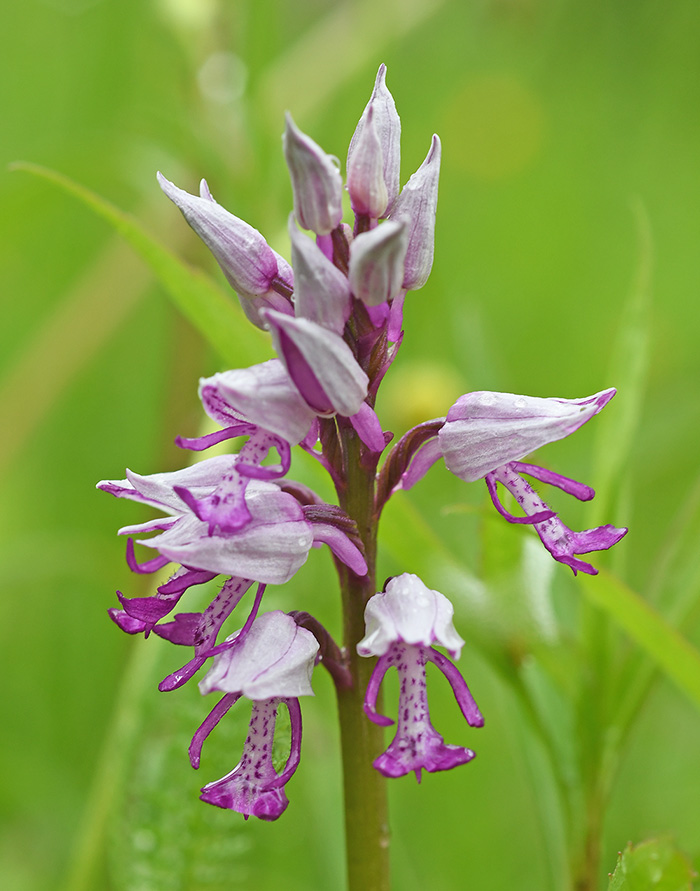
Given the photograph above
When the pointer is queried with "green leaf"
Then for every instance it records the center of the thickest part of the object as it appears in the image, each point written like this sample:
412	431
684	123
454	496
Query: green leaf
217	318
654	865
672	652
628	371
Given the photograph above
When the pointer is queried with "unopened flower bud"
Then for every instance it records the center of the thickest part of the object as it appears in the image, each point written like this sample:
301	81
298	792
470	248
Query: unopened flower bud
386	123
365	171
416	206
377	263
247	261
316	181
322	292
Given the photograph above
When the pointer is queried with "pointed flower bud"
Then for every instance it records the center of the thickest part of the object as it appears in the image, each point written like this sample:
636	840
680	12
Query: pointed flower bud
377	263
320	363
416	206
321	292
316	181
387	126
365	171
402	625
248	262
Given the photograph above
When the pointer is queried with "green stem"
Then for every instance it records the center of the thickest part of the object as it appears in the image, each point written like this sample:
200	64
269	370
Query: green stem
366	808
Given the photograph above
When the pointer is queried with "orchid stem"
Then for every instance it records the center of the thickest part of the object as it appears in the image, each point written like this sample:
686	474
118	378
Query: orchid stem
365	789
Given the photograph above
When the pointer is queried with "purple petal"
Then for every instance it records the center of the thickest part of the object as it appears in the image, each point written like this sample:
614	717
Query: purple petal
571	487
537	517
264	394
208	724
341	546
367	426
147	566
463	695
375	681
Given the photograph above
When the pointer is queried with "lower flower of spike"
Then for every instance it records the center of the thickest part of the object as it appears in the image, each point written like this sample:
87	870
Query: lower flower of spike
253	787
402	623
270	662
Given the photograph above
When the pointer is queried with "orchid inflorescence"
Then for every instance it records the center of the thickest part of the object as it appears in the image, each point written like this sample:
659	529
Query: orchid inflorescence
335	320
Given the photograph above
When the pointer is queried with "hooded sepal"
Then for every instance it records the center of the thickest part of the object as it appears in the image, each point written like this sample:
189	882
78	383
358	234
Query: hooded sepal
320	364
250	265
322	292
416	207
387	125
316	181
377	260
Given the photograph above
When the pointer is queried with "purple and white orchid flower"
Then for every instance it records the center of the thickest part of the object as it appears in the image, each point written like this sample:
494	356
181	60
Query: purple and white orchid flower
270	547
271	664
402	624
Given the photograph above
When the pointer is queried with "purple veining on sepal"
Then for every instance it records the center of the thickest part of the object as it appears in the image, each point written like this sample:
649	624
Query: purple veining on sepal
388	128
271	547
485	430
320	364
322	292
410	612
377	259
316	182
416	206
365	169
264	394
248	262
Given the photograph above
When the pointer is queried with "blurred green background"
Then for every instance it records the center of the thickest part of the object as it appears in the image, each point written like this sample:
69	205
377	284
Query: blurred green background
571	138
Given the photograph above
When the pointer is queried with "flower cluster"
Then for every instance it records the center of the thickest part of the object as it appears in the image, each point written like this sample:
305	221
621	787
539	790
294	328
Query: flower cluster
335	321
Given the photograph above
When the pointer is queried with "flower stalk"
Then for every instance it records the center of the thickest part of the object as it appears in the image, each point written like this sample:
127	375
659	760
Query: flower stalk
365	789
